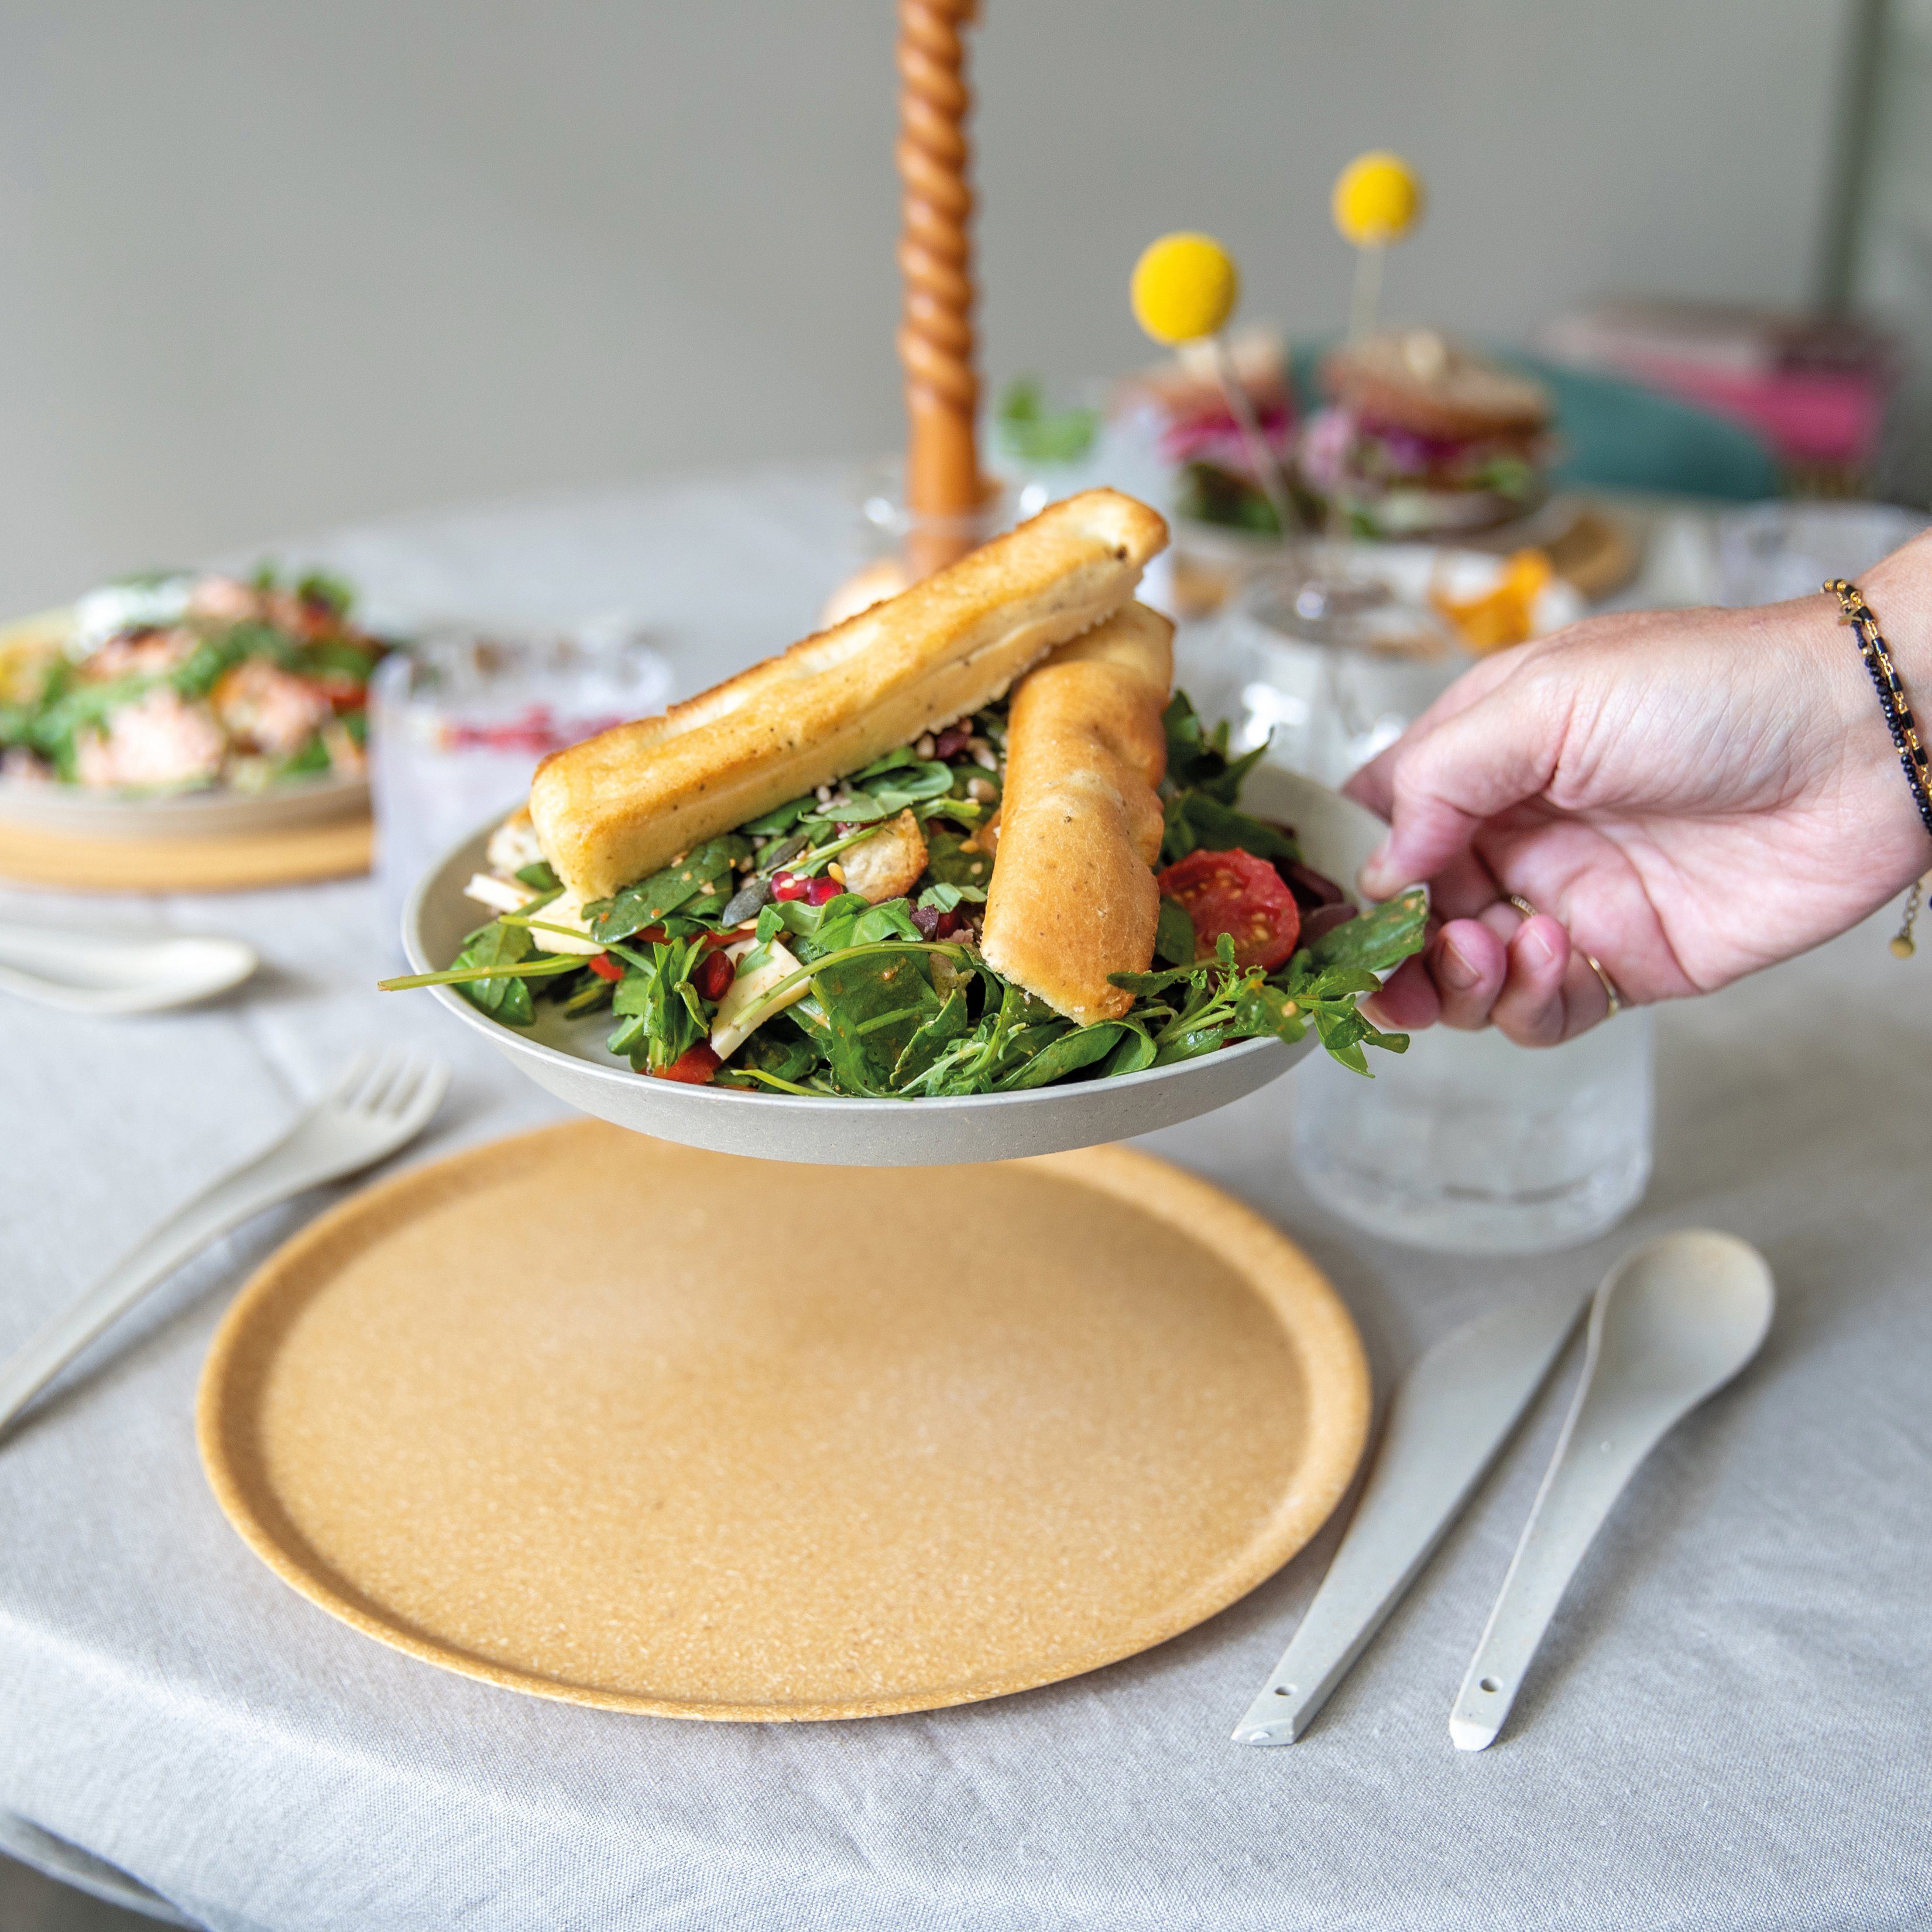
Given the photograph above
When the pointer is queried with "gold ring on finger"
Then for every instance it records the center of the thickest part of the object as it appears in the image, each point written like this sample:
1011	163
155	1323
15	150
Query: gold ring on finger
1590	959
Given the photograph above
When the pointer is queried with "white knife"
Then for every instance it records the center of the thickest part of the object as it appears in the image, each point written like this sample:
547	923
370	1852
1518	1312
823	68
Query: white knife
1451	1414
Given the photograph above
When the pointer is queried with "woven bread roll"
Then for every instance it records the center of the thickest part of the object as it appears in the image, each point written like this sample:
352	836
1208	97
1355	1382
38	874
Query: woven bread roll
617	807
1073	897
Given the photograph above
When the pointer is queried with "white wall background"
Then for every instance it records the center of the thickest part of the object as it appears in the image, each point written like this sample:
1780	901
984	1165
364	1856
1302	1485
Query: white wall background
266	268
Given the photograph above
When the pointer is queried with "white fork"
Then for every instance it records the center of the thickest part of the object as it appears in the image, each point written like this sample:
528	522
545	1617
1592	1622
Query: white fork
382	1102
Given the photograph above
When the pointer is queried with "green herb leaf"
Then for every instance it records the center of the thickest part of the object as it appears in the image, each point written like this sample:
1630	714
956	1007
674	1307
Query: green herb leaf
933	1036
949	862
539	877
646	903
1173	937
1081	1046
1197	822
1378	940
505	998
874	1006
780	818
1133	1053
1027	429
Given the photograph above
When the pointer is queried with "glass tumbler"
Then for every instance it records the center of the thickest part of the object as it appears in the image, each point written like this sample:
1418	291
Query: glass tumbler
458	721
1468	1144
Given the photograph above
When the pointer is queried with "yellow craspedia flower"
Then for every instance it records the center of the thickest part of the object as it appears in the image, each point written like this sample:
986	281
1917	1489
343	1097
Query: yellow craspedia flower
1185	286
1377	199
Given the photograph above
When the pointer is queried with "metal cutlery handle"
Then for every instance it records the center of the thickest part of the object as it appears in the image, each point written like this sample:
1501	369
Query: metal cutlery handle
1452	1413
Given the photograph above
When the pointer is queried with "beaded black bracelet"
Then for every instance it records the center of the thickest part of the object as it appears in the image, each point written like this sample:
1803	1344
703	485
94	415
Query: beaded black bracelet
1898	718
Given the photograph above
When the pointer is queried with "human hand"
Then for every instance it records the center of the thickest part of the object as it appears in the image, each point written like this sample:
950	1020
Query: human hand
1687	796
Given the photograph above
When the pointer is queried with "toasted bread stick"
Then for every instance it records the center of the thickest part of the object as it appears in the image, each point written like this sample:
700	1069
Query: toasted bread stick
1073	897
619	806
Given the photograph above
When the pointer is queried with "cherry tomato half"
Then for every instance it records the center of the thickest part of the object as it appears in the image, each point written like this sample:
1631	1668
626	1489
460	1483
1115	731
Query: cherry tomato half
605	967
694	1067
1236	893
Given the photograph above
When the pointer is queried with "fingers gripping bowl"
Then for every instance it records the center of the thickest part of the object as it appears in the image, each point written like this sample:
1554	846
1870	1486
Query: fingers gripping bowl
957	880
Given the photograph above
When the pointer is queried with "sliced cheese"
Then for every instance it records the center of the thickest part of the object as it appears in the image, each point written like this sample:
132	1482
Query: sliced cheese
567	911
748	990
499	895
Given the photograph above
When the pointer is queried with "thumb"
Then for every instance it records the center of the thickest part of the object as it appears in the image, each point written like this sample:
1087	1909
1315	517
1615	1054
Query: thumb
1454	770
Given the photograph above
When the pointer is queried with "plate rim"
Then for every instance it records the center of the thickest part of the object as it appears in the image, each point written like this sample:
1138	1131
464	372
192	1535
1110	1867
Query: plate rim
1322	1332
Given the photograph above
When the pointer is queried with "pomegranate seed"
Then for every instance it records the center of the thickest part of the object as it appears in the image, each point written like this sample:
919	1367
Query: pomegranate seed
694	1067
951	742
950	923
817	891
713	975
605	967
786	885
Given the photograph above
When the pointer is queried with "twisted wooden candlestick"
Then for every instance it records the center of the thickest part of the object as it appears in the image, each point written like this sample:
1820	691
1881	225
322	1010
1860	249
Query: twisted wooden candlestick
944	491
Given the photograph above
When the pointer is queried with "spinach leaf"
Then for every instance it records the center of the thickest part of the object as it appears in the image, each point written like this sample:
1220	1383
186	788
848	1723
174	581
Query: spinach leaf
950	861
780	818
700	874
927	779
539	877
1132	1053
1174	938
1079	1047
507	999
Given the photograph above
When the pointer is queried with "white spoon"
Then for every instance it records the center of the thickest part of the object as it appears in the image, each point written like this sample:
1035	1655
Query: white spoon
1672	1323
101	972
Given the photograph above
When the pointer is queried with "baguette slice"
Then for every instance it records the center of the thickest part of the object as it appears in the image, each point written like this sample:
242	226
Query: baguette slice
615	808
1073	897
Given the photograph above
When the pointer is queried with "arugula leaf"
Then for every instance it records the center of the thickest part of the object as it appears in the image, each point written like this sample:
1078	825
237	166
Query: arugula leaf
874	1006
647	902
659	1010
1197	821
507	998
1198	760
934	1036
539	876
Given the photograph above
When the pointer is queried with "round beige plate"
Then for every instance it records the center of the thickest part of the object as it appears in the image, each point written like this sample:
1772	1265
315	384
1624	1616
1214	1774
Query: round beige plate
235	862
635	1425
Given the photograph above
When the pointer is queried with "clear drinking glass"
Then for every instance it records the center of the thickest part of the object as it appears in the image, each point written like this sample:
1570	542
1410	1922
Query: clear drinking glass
1773	551
1470	1145
457	723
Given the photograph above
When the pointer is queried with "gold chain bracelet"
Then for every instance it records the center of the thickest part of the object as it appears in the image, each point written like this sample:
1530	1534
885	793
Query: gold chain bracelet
1899	721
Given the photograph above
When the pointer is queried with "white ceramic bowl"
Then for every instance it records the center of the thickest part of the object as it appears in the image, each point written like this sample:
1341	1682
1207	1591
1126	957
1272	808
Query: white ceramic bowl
567	1056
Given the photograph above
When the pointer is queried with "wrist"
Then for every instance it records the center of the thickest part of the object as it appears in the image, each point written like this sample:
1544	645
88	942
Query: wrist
1892	643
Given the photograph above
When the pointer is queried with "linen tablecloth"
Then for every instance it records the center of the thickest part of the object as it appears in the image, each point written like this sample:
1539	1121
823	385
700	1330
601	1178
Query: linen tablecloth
1727	1727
